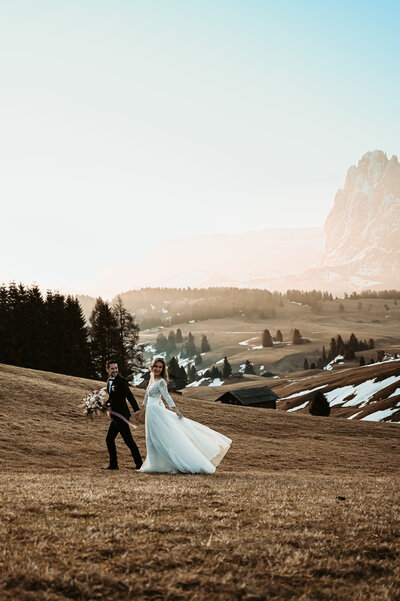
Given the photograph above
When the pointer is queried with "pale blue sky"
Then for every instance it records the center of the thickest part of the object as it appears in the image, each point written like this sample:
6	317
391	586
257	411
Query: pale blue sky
126	123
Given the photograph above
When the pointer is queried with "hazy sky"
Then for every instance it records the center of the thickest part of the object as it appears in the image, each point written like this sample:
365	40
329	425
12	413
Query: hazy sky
125	123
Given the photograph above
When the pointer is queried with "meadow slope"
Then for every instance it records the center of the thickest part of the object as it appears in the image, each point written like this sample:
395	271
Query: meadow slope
300	508
353	392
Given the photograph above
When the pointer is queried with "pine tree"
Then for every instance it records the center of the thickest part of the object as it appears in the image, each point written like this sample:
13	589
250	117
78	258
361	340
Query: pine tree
205	347
215	372
174	372
35	327
226	369
362	361
313	366
173	368
191	373
56	333
353	342
319	405
178	336
249	368
129	354
6	354
324	357
306	366
104	337
297	337
332	350
339	345
371	343
171	344
341	308
349	354
182	380
161	343
190	346
266	339
279	336
80	362
198	359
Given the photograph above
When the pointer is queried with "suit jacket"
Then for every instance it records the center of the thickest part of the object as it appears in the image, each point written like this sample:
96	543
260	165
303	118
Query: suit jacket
118	394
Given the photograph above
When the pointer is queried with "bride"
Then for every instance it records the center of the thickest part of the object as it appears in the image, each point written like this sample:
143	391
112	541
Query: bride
176	443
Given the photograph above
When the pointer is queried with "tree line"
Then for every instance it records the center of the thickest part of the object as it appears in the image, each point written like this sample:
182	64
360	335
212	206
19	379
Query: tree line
171	306
387	294
49	332
338	347
295	338
187	345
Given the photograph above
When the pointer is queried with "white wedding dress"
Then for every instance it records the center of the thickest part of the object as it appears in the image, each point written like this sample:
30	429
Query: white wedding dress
178	445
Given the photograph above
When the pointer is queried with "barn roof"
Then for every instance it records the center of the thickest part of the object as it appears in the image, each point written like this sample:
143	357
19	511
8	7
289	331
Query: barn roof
250	396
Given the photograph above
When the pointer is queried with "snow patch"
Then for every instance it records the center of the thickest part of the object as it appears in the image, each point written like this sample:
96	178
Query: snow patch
362	392
354	415
299	407
197	383
137	379
246	342
338	360
380	415
302	393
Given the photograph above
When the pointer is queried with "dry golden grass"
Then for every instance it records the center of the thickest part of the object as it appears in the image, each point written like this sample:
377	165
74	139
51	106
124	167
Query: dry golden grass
301	507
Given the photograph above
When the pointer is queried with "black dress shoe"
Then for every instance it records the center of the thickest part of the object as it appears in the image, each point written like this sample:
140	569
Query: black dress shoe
137	467
108	467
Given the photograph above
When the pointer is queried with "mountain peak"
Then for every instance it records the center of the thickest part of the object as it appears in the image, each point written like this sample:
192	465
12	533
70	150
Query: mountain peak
363	229
374	156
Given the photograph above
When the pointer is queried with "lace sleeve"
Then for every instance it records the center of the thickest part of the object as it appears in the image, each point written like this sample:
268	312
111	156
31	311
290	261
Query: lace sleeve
146	396
165	393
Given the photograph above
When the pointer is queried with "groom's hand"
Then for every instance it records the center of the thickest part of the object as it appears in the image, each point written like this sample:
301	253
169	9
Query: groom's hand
139	415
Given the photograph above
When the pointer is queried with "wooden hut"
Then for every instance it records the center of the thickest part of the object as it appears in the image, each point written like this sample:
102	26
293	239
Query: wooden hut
260	396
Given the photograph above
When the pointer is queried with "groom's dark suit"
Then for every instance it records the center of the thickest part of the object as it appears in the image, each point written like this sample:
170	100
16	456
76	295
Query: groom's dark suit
119	391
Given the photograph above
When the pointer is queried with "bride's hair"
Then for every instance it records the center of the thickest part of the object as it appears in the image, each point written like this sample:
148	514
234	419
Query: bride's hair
164	373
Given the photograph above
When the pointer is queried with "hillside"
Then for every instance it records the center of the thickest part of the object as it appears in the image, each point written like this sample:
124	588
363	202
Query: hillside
47	429
300	508
371	392
239	337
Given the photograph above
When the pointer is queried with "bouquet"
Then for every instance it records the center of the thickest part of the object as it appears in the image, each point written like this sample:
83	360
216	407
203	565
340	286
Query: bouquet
95	402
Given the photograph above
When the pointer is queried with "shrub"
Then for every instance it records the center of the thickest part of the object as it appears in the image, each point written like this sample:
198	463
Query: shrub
319	405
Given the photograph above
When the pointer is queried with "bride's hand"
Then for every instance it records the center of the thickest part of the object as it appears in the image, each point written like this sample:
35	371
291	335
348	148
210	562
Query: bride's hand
179	414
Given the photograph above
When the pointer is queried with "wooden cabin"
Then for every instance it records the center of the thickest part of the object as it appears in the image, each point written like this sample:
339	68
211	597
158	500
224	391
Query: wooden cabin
260	396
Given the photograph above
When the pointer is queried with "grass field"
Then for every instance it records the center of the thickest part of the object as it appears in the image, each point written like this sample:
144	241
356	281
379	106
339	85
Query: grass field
301	507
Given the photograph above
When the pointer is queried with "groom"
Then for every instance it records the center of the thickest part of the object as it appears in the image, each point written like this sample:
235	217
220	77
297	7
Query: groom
119	391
